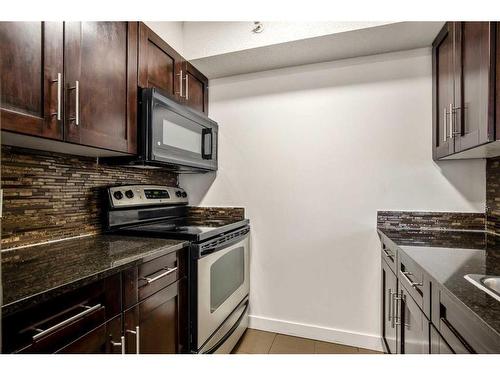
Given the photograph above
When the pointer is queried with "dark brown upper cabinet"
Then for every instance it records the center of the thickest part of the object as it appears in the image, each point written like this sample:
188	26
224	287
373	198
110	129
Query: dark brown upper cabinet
464	64
161	67
196	89
31	66
72	81
100	84
443	77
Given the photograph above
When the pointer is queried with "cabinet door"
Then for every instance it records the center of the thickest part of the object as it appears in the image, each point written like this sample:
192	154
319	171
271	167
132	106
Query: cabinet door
442	91
154	326
474	84
105	339
160	66
100	84
196	89
414	326
438	345
31	60
389	290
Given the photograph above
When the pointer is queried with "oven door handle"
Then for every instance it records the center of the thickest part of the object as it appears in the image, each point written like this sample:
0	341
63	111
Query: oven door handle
202	251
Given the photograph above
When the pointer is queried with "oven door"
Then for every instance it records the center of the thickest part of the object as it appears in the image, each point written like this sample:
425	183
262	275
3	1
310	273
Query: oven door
179	136
223	282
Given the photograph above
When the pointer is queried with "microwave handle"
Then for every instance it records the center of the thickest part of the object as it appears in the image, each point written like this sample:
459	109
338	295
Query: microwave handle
206	152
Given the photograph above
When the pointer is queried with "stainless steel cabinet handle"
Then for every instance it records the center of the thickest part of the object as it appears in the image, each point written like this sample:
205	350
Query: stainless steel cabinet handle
388	254
456	132
59	96
77	103
120	344
187	86
164	274
76	87
445	123
397	317
137	338
451	121
87	311
180	83
405	275
389	318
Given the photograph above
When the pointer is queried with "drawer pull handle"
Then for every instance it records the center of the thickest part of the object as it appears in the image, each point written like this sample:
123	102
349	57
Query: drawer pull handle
88	310
120	344
412	283
137	334
168	271
388	254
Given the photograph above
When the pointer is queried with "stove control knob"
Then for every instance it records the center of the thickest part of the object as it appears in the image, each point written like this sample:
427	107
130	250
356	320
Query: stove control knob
184	194
178	193
118	194
129	194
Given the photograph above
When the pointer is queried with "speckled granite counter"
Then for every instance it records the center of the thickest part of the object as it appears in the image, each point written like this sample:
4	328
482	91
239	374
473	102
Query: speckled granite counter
447	256
31	275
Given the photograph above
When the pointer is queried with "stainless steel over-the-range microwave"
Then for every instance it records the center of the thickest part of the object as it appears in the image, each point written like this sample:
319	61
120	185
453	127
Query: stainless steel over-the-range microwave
173	136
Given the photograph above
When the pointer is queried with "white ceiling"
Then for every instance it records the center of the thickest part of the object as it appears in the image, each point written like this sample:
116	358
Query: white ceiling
355	42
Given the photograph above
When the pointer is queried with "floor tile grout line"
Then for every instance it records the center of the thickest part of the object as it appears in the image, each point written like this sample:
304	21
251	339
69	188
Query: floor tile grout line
274	339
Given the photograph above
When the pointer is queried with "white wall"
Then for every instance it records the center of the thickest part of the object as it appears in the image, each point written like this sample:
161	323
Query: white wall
313	152
202	39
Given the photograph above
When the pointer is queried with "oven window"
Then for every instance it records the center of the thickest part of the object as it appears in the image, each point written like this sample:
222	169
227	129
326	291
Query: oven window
226	276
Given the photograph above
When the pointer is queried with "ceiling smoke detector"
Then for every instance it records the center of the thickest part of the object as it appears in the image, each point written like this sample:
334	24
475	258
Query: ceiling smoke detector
258	27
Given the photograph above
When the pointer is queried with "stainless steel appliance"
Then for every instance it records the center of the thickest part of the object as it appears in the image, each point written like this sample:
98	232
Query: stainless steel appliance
172	136
218	272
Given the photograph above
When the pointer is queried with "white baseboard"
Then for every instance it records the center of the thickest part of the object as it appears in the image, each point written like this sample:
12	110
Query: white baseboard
314	332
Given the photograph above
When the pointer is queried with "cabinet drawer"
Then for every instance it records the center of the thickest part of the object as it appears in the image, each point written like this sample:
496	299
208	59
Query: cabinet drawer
158	273
49	326
389	256
411	276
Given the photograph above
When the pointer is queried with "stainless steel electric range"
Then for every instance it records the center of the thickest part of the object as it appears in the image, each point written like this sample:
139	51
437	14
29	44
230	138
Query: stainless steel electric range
218	269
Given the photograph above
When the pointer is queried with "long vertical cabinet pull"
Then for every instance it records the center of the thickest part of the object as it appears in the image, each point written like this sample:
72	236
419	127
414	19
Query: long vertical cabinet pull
187	86
76	87
77	103
59	96
389	318
445	124
452	131
180	84
137	338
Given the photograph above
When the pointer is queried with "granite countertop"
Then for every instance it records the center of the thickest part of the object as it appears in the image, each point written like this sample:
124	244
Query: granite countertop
447	256
33	274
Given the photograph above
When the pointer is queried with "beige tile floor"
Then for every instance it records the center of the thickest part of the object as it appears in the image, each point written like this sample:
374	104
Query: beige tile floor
263	342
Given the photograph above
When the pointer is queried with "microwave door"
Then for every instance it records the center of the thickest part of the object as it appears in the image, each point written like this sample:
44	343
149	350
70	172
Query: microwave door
177	139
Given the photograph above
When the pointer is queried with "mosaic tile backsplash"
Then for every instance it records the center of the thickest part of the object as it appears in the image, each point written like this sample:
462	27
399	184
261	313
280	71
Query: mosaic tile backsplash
430	220
50	196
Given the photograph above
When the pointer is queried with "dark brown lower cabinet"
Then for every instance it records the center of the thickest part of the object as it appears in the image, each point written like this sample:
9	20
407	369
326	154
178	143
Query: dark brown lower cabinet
414	325
105	339
438	345
126	313
154	326
389	327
